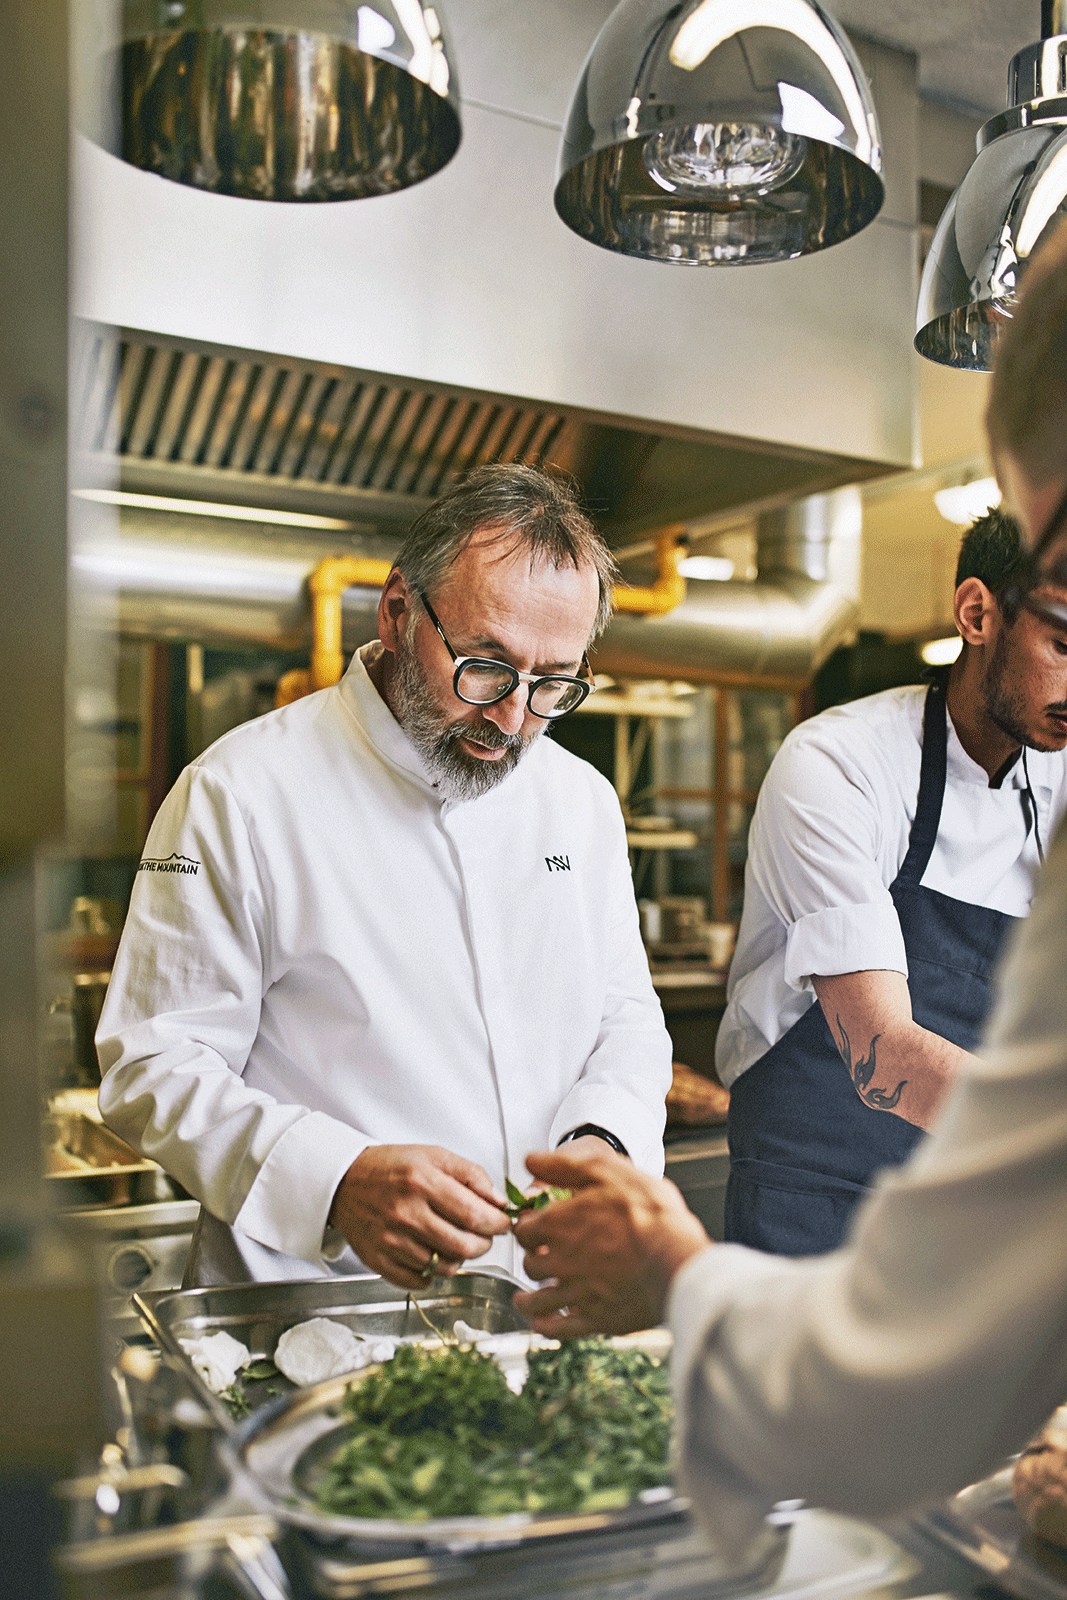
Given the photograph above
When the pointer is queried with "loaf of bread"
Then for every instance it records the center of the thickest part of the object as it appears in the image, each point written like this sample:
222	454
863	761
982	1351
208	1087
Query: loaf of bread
695	1101
1039	1481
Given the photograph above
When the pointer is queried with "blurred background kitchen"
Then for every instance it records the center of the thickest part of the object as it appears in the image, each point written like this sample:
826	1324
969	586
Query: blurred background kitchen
205	396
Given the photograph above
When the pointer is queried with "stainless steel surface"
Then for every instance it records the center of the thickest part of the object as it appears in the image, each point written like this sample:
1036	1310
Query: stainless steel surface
219	424
1014	192
658	155
516	308
259	1313
134	1247
88	1165
87	1001
801	1554
804	603
982	1525
296	100
699	1163
371	455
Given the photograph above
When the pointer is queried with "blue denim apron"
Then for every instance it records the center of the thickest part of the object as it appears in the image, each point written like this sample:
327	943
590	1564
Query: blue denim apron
803	1146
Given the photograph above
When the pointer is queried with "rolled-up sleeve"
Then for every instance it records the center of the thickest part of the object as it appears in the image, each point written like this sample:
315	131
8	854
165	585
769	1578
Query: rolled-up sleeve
816	853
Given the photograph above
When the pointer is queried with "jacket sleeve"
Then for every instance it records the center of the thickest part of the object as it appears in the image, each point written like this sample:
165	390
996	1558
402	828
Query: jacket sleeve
181	1014
624	1085
914	1360
814	851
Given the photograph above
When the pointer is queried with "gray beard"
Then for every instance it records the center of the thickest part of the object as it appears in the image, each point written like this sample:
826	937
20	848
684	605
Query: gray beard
456	774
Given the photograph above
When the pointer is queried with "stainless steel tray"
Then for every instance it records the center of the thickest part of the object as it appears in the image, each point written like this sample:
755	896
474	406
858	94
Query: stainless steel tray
273	1443
981	1524
86	1164
259	1313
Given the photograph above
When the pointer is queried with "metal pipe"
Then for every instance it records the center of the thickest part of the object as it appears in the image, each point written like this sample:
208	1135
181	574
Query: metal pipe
1053	18
213	586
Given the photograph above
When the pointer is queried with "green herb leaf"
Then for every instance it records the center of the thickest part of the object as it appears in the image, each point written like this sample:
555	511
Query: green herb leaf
437	1433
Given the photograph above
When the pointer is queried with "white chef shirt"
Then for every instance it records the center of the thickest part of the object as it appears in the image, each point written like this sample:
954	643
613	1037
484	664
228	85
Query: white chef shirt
321	954
828	836
914	1361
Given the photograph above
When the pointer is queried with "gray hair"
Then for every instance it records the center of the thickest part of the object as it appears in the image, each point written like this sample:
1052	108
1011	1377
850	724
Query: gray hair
533	509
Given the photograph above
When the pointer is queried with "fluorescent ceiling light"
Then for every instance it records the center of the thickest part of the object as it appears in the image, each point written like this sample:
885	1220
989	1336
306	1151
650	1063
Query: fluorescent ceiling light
941	652
964	503
209	508
716	568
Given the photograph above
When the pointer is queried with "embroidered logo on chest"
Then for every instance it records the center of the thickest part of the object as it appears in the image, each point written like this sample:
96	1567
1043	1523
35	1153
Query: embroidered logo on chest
558	863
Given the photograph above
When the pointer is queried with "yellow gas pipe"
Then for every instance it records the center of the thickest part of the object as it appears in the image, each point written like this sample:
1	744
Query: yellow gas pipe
335	574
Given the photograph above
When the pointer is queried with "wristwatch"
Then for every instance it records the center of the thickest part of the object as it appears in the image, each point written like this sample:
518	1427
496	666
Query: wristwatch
599	1133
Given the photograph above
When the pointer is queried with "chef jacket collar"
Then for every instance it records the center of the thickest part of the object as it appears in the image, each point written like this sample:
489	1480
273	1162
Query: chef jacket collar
961	768
378	722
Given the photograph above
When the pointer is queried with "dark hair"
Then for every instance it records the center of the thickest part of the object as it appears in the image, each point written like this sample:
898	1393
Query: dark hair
534	509
992	551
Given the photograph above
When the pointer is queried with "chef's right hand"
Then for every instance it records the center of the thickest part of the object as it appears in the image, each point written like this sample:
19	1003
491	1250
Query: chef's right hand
399	1204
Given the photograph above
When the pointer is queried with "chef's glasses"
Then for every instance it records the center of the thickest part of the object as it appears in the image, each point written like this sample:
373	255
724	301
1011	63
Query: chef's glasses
1044	570
480	681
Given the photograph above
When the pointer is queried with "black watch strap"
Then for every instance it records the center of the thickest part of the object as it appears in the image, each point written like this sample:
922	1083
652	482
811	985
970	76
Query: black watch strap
597	1132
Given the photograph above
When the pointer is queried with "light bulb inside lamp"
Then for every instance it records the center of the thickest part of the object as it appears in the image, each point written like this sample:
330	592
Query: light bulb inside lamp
705	160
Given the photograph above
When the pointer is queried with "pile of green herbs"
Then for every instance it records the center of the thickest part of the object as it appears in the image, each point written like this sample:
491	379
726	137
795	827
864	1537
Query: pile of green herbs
436	1432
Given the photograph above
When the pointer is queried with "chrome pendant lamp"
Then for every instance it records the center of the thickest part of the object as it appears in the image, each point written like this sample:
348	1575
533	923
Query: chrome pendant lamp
1013	193
297	100
720	132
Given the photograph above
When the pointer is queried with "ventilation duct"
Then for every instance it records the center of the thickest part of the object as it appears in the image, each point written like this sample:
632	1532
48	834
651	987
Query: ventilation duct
214	585
802	605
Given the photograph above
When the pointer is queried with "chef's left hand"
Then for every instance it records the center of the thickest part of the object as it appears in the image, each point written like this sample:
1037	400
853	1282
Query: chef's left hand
608	1254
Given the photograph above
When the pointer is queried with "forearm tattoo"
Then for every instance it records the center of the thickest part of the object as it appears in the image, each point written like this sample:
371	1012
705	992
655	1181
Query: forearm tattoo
862	1071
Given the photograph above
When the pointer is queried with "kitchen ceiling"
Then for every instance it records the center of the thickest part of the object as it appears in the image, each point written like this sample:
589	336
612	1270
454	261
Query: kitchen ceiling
963	46
237	425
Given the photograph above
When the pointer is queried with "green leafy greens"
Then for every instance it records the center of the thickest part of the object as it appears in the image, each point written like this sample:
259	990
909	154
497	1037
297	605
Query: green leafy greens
530	1202
438	1433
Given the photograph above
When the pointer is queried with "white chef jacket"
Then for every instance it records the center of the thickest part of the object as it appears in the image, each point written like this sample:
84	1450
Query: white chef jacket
915	1360
828	836
321	954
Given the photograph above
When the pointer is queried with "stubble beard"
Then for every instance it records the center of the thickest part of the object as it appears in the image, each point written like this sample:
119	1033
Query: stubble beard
455	772
1005	707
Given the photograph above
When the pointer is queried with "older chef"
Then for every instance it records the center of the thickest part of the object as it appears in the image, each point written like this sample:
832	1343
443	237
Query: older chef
892	848
915	1360
384	941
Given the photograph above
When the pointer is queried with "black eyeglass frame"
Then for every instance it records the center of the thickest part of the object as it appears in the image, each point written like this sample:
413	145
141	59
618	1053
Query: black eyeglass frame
1021	593
533	680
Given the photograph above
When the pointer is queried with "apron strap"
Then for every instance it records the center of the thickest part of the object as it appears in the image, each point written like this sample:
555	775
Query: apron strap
931	785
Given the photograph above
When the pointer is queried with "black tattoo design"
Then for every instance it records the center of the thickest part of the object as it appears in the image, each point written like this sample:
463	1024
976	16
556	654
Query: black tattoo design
862	1071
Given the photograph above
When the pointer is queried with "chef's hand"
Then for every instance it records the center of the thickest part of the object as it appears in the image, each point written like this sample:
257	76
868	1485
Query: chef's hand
399	1204
609	1252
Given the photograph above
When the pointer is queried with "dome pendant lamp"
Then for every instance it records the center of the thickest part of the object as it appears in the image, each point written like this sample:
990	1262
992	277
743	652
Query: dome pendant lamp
1013	193
719	133
297	100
